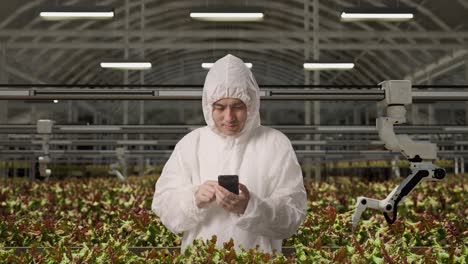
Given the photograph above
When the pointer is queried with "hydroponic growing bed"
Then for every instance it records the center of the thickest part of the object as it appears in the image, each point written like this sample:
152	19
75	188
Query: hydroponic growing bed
103	220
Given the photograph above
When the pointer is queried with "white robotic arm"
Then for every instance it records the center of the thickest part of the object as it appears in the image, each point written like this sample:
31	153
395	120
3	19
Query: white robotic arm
425	171
420	154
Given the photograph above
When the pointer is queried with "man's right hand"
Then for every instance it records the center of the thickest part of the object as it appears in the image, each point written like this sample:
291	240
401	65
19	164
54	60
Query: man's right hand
205	194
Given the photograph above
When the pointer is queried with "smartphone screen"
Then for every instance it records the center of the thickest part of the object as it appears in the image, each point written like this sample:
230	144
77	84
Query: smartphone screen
229	182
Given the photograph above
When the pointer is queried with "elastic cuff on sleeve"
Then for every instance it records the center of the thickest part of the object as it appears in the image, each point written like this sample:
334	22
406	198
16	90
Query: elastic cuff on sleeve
190	206
252	205
251	213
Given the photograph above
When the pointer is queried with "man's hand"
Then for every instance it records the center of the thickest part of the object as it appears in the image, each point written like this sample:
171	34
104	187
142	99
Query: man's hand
205	194
231	202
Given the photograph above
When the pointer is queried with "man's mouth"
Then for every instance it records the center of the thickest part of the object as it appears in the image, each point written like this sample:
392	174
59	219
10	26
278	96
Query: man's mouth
230	125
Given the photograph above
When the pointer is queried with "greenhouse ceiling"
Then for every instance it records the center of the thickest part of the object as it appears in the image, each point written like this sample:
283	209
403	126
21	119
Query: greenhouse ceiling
430	48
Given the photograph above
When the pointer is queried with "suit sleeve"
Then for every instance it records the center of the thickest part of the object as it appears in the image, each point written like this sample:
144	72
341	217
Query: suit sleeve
173	199
279	215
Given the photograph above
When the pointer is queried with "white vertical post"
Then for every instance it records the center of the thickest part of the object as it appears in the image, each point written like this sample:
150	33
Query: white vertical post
142	81
462	165
318	161
307	104
395	169
126	55
33	120
3	105
466	81
96	121
70	120
3	79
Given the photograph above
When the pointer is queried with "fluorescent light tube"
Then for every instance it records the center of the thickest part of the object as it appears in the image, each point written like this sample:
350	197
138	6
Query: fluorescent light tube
385	14
232	17
316	66
127	65
56	101
208	65
77	12
371	16
76	15
232	14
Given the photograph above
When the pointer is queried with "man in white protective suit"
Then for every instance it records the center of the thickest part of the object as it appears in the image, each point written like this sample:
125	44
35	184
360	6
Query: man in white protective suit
272	200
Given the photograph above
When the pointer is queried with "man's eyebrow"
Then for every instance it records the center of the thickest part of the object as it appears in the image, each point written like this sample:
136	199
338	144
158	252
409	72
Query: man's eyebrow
231	105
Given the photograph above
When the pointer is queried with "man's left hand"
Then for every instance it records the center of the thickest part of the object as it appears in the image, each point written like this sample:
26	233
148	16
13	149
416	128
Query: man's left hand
231	202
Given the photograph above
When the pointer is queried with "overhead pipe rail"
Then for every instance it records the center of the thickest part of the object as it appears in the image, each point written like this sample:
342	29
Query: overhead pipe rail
371	154
200	86
117	142
183	129
43	94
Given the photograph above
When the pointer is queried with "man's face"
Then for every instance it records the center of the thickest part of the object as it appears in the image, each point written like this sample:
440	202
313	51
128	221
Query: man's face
229	115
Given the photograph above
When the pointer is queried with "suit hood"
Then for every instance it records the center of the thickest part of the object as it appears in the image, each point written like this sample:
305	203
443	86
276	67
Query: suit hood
230	78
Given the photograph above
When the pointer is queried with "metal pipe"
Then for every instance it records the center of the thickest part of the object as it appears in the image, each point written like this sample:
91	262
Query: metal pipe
142	143
183	129
370	154
266	94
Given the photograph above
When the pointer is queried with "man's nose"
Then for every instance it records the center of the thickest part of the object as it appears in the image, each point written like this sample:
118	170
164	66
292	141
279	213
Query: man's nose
229	115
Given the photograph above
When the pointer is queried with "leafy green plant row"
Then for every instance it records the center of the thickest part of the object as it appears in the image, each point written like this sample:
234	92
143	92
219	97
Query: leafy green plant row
105	218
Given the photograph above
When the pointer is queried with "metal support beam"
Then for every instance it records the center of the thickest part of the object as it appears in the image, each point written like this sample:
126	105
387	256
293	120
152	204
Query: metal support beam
317	47
332	154
273	94
307	105
3	104
70	120
8	69
184	129
141	120
443	65
232	45
240	33
462	164
169	142
3	79
466	81
32	167
125	73
28	77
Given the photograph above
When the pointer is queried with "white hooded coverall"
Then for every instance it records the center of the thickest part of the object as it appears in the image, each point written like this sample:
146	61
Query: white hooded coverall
262	157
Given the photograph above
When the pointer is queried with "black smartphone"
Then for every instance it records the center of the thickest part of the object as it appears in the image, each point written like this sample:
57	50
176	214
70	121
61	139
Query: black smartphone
229	182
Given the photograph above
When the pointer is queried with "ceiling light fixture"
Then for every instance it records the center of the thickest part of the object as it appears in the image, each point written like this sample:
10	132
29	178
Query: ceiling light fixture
208	65
126	65
385	14
228	14
317	66
74	12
